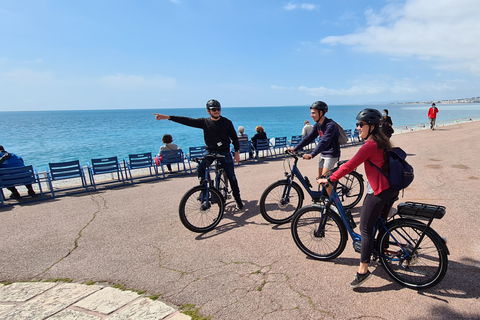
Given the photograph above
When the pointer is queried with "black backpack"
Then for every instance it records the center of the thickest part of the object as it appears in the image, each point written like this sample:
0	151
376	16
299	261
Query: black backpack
401	172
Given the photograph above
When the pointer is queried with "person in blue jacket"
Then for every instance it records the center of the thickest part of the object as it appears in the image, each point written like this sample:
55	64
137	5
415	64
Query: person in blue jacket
328	147
11	160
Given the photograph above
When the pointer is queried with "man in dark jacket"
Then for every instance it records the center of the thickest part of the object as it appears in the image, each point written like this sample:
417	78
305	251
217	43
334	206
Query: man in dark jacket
11	160
328	147
218	133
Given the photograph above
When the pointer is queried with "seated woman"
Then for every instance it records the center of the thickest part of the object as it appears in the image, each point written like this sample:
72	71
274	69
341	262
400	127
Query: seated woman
259	135
11	160
167	139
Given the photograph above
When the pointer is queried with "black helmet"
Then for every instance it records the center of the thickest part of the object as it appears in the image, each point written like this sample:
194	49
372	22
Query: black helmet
320	106
212	103
370	116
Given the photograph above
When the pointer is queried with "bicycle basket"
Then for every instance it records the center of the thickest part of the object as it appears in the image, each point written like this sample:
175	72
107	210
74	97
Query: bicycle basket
421	210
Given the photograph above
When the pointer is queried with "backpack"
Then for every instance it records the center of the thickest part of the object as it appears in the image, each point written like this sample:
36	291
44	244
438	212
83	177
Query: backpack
342	136
401	172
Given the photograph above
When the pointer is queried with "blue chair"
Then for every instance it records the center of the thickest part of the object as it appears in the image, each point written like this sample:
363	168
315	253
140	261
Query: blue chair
105	166
263	145
173	157
193	153
348	132
295	141
139	161
18	176
245	148
280	144
356	134
65	170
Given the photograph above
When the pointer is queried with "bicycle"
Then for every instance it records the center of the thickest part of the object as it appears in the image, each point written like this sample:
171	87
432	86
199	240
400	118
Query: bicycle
202	207
282	199
411	252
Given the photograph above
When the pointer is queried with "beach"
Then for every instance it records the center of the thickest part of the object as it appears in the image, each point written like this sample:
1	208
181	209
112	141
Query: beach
247	268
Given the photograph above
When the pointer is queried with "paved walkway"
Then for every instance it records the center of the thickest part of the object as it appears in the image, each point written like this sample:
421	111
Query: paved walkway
246	268
72	301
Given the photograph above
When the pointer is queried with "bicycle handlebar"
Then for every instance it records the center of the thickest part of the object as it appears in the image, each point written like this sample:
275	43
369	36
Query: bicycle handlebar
210	155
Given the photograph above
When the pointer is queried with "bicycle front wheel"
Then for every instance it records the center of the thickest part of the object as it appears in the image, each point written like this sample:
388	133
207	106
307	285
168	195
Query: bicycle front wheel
420	269
199	214
322	237
280	201
350	189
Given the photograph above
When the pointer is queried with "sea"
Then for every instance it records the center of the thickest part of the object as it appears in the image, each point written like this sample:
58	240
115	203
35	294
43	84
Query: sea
40	137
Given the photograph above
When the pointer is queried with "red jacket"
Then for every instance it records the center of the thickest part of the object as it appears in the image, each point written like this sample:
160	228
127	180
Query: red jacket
369	151
432	112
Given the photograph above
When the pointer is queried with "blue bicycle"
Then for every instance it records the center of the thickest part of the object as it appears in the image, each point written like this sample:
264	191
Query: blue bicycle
409	250
283	198
202	207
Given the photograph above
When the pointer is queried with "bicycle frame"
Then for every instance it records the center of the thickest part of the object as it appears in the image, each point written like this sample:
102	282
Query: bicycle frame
381	223
206	181
295	172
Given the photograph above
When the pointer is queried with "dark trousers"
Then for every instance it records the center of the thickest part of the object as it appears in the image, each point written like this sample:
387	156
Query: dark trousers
374	207
14	190
228	166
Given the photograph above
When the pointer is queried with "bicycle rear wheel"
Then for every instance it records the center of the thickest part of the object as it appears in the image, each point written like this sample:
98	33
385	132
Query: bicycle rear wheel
319	237
421	269
199	215
350	189
278	207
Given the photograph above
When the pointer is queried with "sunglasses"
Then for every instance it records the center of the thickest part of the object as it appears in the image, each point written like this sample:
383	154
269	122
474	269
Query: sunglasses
361	124
214	109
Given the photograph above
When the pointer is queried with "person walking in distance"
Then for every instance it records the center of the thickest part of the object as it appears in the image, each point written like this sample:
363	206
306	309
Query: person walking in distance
432	115
218	133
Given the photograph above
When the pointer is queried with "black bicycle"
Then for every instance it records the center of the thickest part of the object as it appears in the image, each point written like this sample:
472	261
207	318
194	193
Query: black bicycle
202	207
282	199
410	251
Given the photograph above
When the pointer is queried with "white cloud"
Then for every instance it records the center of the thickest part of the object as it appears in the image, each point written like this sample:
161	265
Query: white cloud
441	30
126	81
378	85
305	6
27	77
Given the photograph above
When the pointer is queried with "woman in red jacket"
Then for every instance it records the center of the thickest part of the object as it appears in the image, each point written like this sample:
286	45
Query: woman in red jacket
380	197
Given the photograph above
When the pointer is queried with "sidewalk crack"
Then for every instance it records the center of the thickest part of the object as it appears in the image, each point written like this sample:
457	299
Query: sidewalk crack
101	205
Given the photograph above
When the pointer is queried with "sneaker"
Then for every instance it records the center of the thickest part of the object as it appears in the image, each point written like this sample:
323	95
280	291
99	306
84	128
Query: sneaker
239	204
360	279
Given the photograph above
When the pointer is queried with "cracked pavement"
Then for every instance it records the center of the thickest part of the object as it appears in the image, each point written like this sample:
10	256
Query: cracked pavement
248	268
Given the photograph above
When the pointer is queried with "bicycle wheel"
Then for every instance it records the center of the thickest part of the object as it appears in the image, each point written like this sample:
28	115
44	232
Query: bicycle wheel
322	243
199	215
278	208
222	184
421	269
350	189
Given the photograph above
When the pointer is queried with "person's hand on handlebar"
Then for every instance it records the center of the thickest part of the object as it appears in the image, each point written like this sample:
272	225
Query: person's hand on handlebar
307	156
322	181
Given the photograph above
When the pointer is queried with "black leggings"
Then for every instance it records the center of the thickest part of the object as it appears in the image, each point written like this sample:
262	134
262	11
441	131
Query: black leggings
374	207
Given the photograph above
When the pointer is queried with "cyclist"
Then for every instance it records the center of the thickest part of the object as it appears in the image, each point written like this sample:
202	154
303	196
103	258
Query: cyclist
218	133
328	147
378	203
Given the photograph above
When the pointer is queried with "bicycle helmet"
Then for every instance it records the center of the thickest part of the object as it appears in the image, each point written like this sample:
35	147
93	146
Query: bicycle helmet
320	106
370	116
212	103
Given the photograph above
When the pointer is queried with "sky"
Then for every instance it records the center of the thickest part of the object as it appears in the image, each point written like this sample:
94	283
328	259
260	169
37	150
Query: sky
126	54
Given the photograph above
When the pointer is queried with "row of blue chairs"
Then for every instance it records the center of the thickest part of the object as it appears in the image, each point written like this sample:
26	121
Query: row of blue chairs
12	177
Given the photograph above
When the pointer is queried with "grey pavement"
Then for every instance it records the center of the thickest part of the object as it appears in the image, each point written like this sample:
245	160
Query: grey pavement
246	268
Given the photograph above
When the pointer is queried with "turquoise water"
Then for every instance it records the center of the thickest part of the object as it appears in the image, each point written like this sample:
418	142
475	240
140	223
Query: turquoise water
41	137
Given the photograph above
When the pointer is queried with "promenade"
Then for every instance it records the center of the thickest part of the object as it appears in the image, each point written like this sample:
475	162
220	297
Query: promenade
246	268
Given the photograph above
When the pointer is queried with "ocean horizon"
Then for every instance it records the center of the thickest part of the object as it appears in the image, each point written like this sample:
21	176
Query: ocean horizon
40	137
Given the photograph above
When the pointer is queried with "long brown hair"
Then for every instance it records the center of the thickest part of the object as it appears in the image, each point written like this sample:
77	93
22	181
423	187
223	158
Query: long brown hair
383	142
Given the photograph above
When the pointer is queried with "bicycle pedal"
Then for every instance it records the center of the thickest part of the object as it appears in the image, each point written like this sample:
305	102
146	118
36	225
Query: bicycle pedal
357	246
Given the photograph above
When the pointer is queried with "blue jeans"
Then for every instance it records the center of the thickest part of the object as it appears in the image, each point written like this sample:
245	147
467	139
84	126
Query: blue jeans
228	166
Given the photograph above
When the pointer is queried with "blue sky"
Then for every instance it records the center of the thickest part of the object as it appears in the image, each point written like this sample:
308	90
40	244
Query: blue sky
114	54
